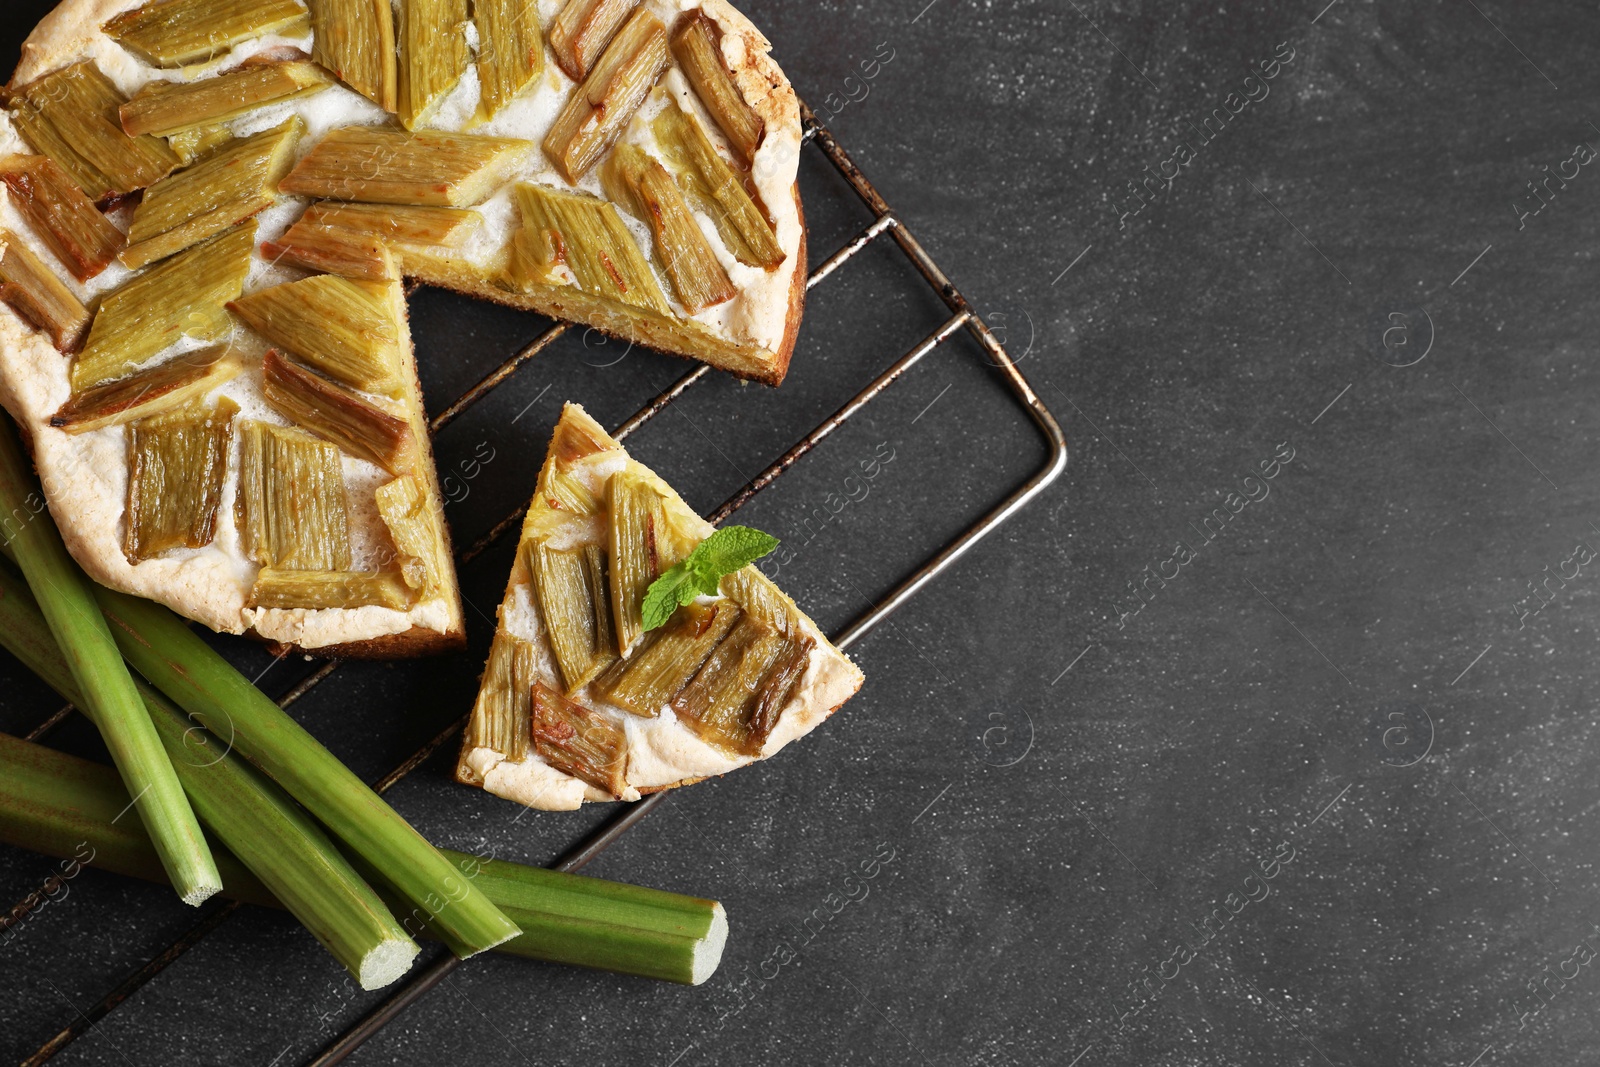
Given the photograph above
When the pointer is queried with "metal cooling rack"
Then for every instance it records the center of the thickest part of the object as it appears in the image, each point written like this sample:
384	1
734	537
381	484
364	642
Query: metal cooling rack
962	317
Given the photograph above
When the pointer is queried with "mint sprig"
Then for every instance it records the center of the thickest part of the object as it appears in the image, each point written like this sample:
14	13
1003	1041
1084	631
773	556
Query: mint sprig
699	573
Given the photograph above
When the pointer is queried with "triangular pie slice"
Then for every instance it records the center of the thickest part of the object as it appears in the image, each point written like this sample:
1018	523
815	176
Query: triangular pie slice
207	212
579	703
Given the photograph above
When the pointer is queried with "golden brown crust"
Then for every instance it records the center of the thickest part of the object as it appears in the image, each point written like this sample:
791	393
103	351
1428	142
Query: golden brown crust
417	641
797	300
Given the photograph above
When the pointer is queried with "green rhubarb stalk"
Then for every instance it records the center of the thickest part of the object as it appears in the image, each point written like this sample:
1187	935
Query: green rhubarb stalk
289	855
108	694
163	649
67	807
612	926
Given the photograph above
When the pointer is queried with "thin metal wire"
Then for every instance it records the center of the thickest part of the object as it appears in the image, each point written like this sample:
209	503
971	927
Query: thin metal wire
665	397
589	848
498	375
132	984
311	681
837	419
51	723
833	262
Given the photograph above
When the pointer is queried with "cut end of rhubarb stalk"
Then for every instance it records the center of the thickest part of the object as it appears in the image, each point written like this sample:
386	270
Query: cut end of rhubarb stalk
204	891
708	951
388	961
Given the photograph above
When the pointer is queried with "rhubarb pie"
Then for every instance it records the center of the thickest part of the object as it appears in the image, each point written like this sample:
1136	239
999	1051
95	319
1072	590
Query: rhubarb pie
579	701
207	212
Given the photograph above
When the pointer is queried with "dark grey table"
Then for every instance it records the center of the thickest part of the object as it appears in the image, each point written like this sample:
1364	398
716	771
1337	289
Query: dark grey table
1266	737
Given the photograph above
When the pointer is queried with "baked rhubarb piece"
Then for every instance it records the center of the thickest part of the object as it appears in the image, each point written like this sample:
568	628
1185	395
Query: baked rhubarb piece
209	209
609	678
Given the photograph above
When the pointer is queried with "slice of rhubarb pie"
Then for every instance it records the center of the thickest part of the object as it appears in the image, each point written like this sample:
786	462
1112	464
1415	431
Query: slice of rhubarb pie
580	701
207	212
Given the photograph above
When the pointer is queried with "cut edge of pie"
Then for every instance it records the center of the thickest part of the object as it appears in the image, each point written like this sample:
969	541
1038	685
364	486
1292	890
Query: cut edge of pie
563	717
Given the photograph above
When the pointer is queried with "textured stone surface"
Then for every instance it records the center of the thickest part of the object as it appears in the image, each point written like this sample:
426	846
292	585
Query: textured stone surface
1337	691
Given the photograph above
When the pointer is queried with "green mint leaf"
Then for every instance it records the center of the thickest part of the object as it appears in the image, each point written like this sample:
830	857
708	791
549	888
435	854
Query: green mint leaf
731	548
675	586
725	551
